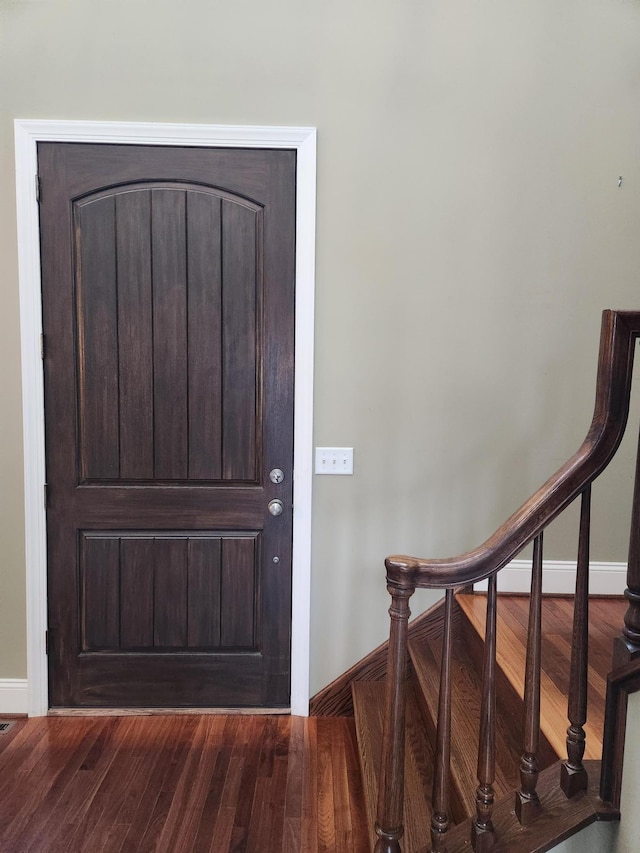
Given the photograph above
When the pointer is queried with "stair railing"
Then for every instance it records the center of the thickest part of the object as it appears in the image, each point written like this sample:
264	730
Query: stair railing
619	332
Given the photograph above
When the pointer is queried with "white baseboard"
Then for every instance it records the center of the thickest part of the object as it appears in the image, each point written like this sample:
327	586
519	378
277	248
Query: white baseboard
559	576
14	696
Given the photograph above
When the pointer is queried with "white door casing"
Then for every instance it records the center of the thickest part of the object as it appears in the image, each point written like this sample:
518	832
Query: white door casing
27	135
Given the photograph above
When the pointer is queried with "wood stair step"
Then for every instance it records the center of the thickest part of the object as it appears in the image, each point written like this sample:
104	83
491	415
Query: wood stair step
511	659
560	818
509	700
368	706
465	711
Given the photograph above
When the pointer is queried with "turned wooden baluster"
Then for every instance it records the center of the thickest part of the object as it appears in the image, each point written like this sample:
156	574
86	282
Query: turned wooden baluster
573	776
627	646
482	833
440	799
527	800
389	822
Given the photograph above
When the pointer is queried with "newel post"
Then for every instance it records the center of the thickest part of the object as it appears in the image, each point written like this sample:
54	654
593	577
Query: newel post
389	822
627	646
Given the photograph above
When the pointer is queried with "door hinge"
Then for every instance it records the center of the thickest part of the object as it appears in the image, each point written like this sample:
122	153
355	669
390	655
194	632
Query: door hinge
46	642
42	346
46	495
38	189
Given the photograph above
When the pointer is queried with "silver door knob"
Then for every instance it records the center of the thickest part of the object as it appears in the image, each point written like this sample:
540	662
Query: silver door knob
276	507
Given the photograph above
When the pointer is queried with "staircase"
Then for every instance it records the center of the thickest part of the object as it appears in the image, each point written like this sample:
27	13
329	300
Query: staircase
563	817
426	733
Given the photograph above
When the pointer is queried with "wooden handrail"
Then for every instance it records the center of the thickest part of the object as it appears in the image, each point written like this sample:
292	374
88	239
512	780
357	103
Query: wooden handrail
615	363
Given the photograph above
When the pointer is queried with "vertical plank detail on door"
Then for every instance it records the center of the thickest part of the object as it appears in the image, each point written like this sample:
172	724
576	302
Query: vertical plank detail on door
144	591
239	266
135	334
136	593
169	331
168	234
238	592
204	330
101	592
204	593
170	593
97	311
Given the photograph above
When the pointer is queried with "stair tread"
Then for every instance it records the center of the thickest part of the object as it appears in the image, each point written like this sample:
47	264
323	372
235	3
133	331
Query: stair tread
511	658
368	705
560	817
465	710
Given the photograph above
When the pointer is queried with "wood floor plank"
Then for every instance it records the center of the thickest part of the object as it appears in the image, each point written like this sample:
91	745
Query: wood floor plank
181	827
247	791
326	805
292	827
223	787
17	737
278	798
223	830
265	827
30	751
310	787
219	833
112	794
46	788
165	786
139	807
62	794
149	741
218	812
277	802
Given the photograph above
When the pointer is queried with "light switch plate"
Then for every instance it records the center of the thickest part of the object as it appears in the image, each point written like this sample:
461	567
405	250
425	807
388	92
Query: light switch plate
334	460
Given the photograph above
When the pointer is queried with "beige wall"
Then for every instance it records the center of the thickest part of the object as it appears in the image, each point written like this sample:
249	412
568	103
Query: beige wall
470	231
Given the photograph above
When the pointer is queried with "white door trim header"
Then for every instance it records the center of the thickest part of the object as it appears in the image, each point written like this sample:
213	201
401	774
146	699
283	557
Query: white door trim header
27	135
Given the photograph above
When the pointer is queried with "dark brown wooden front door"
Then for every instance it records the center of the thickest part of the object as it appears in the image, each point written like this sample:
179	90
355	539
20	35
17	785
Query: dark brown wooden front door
168	315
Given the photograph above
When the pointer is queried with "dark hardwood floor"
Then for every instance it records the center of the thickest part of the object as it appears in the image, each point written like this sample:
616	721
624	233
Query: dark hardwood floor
262	784
179	784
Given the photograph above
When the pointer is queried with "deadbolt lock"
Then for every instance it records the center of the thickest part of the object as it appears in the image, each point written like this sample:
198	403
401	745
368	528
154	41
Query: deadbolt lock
276	475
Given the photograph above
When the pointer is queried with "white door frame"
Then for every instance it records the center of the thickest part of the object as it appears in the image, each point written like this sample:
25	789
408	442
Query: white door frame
301	139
